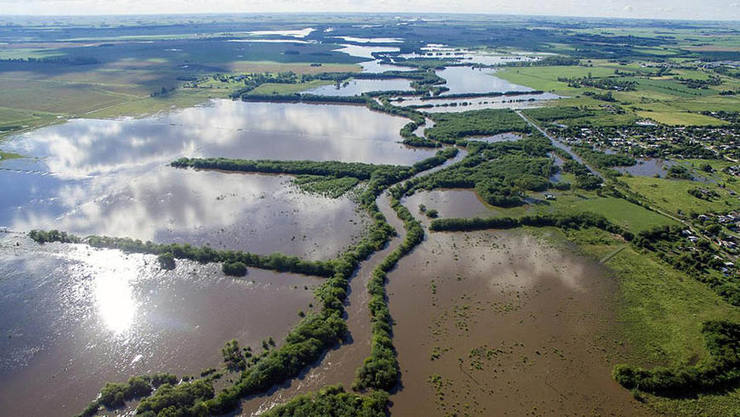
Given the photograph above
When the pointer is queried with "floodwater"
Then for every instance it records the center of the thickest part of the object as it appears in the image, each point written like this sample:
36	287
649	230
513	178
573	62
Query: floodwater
364	51
112	177
464	80
369	40
376	66
647	167
501	137
442	105
256	213
74	317
468	56
502	324
338	366
452	203
235	129
357	87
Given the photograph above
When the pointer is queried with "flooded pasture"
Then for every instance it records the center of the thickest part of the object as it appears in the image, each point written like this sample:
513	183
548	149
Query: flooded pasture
647	167
74	318
500	323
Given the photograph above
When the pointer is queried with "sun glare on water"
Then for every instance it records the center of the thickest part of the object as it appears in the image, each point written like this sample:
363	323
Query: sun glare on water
113	275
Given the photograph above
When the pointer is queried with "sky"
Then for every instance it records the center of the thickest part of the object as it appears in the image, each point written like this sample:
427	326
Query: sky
663	9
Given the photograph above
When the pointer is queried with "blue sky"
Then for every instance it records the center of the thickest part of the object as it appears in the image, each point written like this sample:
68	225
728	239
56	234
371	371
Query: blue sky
667	9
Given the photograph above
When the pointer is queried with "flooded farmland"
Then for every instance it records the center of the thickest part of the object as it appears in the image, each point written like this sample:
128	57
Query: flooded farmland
500	323
74	318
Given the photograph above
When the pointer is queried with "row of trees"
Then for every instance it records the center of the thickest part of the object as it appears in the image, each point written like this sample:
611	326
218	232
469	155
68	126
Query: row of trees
452	126
204	254
333	401
565	221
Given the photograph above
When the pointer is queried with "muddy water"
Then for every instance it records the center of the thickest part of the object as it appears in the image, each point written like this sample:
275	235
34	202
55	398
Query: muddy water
357	87
338	366
72	318
451	203
498	323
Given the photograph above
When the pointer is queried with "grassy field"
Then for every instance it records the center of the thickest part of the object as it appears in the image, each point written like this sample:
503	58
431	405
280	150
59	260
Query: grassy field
662	99
621	212
660	309
672	195
679	118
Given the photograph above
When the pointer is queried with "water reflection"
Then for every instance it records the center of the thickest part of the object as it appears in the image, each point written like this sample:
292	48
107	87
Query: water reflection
365	51
111	176
468	55
357	87
463	80
376	67
85	147
73	318
113	277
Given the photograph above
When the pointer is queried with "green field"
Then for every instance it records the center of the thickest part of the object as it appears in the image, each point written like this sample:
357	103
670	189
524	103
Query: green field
672	195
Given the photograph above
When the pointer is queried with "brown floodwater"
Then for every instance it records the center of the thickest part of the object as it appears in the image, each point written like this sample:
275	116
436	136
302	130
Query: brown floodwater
500	323
339	365
450	203
73	318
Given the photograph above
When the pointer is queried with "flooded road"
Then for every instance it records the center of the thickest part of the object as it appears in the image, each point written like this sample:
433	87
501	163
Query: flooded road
73	318
500	323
